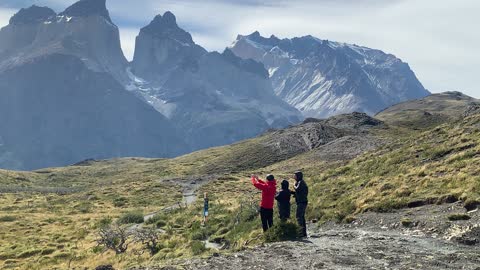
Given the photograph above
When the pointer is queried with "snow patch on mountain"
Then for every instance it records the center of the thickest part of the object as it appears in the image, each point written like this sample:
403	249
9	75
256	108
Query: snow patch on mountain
149	94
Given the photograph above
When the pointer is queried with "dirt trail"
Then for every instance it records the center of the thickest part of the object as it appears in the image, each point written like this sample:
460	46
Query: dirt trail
189	186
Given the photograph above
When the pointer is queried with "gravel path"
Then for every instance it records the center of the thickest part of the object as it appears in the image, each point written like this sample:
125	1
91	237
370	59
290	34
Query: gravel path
349	249
373	241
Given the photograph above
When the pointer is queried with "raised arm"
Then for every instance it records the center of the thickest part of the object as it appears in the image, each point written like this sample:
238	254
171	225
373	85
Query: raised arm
258	183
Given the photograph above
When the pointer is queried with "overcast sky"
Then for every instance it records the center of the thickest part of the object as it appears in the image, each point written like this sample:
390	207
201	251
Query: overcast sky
438	38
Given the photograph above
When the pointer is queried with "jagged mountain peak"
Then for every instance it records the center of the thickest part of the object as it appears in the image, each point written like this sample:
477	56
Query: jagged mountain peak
323	78
33	14
84	8
247	65
83	30
258	38
169	18
166	27
255	34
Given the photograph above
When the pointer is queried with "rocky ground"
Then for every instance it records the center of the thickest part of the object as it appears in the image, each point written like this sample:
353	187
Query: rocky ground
349	249
418	238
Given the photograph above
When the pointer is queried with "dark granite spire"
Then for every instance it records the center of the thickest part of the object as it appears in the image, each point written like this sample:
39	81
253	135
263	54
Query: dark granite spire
84	8
33	14
166	27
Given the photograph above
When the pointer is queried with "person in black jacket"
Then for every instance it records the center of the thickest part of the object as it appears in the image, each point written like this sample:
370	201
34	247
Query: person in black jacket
301	198
283	199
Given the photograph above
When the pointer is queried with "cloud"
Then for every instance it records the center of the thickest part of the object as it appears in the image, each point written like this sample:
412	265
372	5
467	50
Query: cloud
437	38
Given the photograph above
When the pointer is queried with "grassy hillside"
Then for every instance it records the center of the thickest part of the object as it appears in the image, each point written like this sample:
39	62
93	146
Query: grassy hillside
436	166
50	219
429	111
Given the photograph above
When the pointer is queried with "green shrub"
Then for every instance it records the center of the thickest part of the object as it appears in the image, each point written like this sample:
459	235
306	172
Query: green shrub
29	253
198	247
199	235
97	249
104	222
388	205
456	217
217	238
223	230
48	251
155	219
436	153
10	262
282	231
406	222
120	201
131	218
350	219
84	207
7	219
62	256
160	224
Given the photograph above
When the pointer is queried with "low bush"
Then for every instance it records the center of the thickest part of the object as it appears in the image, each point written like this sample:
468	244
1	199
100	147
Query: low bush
457	217
7	219
48	251
198	247
155	219
84	207
29	253
131	218
350	219
282	231
199	235
120	202
114	238
104	222
160	224
62	256
149	238
406	222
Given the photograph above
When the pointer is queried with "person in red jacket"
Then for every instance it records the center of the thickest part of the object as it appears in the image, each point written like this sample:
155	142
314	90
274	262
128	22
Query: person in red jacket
269	189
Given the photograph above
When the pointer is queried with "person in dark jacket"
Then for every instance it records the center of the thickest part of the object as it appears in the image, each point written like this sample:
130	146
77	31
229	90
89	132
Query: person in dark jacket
283	199
268	189
301	198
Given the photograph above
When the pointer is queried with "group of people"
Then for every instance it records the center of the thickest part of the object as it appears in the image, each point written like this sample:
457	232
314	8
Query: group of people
270	194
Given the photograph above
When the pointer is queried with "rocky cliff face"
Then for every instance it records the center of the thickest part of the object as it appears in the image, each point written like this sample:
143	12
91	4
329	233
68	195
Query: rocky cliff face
323	78
83	30
214	98
63	98
69	94
68	113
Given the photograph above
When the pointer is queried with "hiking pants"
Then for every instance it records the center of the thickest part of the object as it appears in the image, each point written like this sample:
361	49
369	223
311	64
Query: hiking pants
267	218
301	208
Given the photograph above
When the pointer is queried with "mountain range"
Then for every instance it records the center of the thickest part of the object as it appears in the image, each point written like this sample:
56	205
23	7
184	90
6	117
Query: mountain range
69	93
322	78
